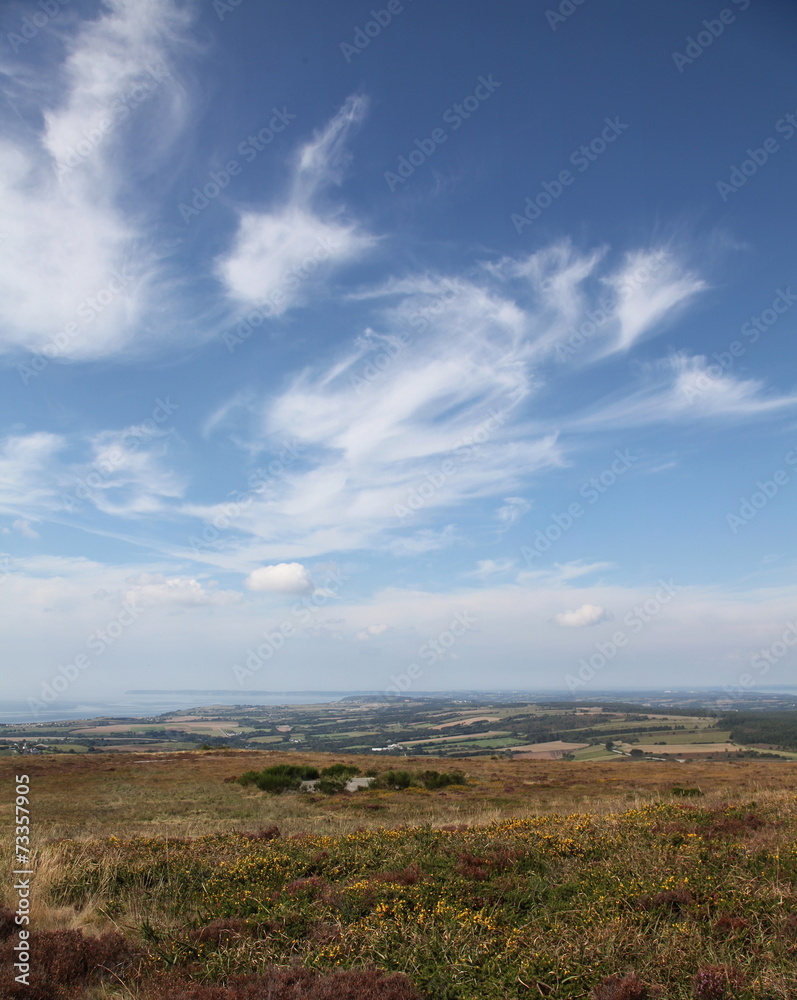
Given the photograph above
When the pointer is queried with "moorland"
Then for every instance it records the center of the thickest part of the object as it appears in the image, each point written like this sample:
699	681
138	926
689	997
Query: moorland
160	875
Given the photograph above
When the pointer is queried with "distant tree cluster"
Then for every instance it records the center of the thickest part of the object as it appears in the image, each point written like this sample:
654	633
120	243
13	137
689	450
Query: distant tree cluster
772	728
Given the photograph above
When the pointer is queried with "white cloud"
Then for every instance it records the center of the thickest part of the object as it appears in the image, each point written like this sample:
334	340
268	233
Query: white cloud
437	388
122	473
26	461
587	614
425	540
155	590
128	475
513	509
580	311
370	631
561	573
490	567
276	256
283	578
648	289
684	387
77	271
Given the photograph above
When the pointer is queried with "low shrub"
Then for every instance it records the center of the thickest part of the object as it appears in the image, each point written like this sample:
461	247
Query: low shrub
66	959
619	987
437	779
715	982
345	771
279	778
394	780
289	984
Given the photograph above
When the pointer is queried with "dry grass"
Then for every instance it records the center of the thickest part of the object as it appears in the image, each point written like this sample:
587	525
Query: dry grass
183	794
642	892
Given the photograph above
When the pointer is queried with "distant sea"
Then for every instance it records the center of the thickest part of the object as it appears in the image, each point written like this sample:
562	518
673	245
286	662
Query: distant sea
133	704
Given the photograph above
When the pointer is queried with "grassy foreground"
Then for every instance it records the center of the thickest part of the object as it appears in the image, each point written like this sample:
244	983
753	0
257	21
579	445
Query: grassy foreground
558	880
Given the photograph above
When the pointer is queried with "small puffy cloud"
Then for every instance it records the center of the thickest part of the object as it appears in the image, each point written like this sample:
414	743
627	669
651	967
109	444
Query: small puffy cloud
283	578
514	508
372	630
587	614
154	589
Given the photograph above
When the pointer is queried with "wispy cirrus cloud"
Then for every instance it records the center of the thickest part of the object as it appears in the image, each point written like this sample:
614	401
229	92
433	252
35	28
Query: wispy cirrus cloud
651	287
428	413
278	255
25	463
582	304
78	270
124	473
683	387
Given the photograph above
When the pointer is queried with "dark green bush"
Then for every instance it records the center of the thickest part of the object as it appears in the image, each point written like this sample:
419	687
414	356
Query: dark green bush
344	771
331	785
279	778
437	779
394	779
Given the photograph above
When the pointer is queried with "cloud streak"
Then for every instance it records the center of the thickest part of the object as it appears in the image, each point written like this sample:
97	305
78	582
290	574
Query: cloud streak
77	270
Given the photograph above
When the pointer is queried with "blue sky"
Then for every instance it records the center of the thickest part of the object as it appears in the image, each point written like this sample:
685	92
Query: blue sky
409	346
